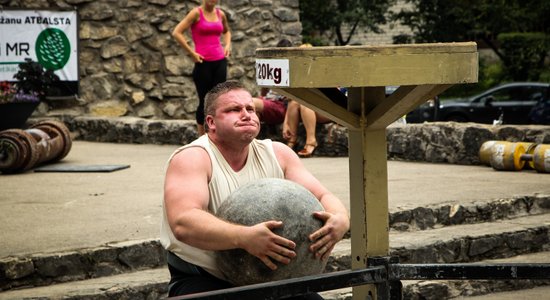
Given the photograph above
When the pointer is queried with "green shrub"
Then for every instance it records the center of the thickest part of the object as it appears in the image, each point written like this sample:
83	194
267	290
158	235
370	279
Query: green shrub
523	55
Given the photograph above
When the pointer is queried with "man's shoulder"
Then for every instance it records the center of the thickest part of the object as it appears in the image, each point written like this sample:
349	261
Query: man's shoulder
275	146
262	141
189	151
267	143
197	147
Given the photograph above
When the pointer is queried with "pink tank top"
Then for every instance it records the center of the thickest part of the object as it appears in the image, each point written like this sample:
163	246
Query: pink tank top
206	36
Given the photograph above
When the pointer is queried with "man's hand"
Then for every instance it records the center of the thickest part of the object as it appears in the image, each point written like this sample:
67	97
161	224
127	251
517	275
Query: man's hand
327	236
260	241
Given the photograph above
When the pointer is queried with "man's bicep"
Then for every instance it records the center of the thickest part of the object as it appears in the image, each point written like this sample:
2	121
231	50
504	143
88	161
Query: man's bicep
186	184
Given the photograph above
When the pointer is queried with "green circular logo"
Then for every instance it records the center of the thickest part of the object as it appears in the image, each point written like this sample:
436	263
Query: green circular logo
52	49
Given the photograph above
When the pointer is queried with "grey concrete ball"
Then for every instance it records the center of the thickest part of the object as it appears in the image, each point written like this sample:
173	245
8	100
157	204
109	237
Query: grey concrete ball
271	199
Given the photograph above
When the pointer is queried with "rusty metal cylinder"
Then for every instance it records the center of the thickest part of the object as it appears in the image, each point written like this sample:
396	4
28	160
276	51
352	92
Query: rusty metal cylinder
541	158
21	150
56	141
507	156
17	151
485	152
529	150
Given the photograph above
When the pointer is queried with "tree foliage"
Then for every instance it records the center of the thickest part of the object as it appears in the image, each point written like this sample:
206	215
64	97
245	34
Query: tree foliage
341	19
522	53
465	20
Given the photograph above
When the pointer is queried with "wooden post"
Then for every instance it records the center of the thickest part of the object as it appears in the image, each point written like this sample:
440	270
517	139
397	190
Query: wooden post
421	70
368	186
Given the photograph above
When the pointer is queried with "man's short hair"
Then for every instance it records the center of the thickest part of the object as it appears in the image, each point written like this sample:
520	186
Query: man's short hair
211	98
221	88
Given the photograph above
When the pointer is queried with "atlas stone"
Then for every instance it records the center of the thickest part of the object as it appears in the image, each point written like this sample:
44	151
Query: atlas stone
264	200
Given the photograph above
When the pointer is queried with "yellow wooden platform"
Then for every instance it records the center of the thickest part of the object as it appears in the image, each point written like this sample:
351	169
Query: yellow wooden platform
421	71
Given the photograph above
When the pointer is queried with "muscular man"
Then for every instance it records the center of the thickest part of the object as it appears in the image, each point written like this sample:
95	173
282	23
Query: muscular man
202	174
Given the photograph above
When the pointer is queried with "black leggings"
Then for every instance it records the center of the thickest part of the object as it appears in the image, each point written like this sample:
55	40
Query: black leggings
195	280
206	75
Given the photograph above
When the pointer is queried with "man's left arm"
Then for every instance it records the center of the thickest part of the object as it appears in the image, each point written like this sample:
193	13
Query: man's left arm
335	217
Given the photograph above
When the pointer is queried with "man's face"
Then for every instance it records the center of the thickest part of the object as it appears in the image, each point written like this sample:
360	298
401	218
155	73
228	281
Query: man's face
235	116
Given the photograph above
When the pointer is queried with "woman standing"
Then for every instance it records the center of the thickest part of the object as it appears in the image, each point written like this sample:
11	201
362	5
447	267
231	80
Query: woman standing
207	23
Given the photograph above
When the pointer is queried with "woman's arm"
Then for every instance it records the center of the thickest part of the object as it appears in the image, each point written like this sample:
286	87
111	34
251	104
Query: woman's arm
181	28
226	36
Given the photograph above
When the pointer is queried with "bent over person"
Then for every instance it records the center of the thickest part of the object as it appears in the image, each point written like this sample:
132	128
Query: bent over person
202	174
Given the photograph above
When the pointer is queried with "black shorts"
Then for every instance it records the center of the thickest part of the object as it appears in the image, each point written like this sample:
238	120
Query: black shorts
187	278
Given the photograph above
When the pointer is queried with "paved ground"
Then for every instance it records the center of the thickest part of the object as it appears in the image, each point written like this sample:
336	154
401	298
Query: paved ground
50	212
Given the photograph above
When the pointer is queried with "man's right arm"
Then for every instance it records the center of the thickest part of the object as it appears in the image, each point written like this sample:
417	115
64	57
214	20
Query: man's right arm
186	200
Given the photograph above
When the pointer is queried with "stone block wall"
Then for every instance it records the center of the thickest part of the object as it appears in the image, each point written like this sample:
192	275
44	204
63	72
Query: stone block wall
131	66
439	142
455	143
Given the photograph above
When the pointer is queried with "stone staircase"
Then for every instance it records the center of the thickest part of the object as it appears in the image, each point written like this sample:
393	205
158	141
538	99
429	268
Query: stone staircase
487	230
499	230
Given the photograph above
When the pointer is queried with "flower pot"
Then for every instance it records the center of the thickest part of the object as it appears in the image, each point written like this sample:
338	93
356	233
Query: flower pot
15	114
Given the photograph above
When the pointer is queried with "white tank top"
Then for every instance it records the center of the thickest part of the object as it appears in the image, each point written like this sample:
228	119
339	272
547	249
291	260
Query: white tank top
261	163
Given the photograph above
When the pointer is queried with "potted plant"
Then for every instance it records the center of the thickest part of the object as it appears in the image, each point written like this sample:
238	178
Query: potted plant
18	100
33	78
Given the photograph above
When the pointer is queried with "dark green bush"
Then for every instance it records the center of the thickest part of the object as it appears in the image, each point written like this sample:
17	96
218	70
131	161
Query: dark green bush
523	55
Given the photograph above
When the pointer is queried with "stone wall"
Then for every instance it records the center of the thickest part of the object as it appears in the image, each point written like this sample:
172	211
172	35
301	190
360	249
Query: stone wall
455	143
440	142
131	66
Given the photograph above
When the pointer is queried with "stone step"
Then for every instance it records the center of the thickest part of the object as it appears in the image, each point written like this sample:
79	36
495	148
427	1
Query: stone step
422	218
476	289
540	292
457	288
46	269
152	284
116	258
145	284
461	243
446	244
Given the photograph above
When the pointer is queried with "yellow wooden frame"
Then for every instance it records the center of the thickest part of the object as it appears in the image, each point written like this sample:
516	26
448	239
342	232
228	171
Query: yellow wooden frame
421	71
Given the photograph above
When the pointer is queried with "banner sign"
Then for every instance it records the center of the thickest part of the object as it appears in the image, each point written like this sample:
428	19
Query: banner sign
272	72
48	37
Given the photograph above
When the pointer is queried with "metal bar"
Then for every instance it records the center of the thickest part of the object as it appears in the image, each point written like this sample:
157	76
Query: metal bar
296	286
469	271
391	289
